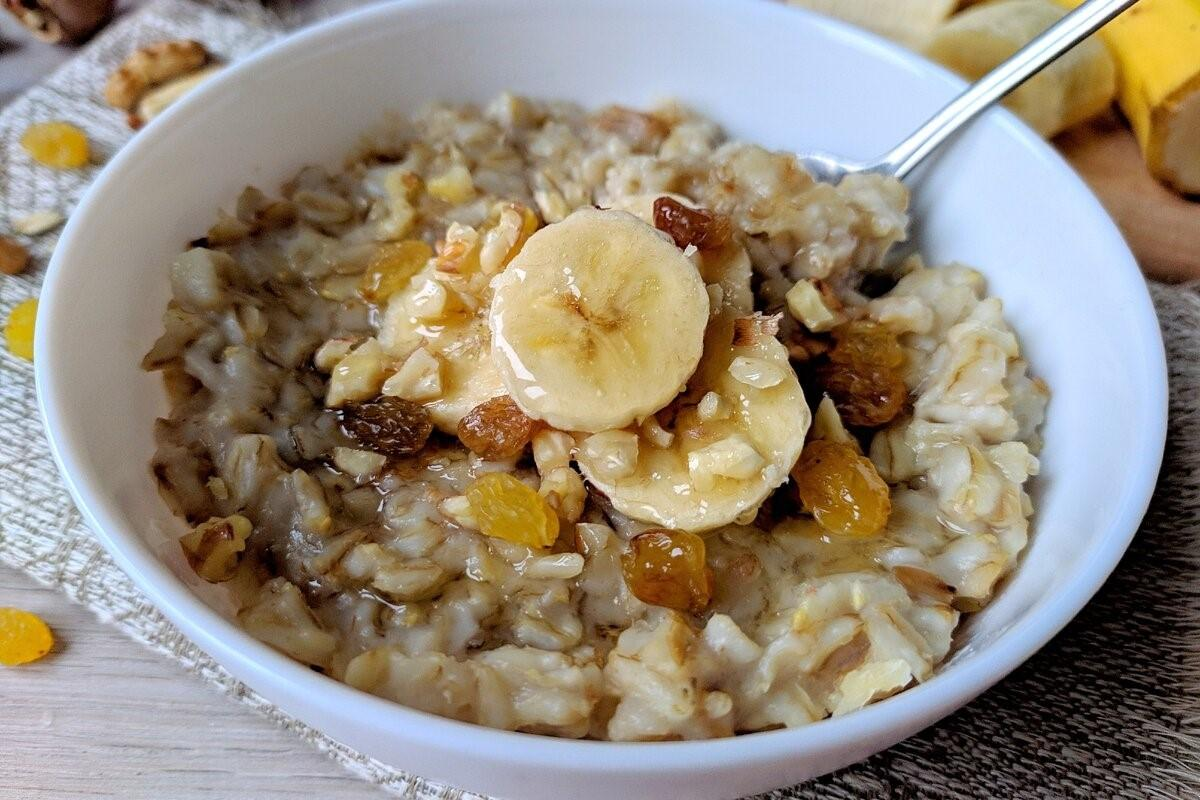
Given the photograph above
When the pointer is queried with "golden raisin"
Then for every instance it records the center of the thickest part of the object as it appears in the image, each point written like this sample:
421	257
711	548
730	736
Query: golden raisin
23	637
508	509
214	547
841	489
18	331
668	568
389	425
496	429
866	341
865	374
56	144
694	226
392	267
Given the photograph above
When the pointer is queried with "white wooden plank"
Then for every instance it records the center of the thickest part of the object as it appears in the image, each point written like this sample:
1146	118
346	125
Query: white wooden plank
102	717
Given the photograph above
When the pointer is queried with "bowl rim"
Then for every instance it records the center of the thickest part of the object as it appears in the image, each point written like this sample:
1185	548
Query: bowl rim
912	709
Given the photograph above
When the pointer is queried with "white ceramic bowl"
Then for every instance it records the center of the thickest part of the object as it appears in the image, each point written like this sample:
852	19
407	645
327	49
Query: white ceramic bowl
999	199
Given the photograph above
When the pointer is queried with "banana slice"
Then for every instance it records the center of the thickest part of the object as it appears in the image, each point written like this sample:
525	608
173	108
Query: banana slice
737	433
429	314
598	322
731	443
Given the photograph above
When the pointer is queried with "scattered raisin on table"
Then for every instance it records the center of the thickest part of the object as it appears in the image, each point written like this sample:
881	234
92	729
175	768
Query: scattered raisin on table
18	330
59	145
24	637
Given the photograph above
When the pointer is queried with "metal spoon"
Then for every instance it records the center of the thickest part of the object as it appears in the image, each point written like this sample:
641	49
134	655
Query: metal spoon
1024	64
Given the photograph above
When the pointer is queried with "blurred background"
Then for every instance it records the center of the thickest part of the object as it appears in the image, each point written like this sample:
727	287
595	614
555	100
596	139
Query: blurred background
1124	107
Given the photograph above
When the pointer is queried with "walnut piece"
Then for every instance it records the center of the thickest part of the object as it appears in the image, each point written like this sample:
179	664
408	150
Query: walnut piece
156	99
37	222
13	257
150	66
61	21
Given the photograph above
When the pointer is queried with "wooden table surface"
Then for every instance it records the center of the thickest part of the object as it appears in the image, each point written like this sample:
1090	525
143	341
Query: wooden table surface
103	717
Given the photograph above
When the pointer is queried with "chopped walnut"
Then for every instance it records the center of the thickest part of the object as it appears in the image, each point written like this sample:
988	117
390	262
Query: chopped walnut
814	305
214	548
746	330
803	347
643	131
150	66
697	227
156	100
13	257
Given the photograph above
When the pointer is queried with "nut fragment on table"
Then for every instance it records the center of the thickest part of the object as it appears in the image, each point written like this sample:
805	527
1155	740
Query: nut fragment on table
37	222
156	100
13	257
150	66
61	21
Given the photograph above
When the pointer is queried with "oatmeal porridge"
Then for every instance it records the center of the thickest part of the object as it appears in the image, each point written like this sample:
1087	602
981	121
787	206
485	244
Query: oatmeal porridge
592	424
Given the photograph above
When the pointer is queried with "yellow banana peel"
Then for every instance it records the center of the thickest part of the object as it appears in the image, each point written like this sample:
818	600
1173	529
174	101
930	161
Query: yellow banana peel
1156	45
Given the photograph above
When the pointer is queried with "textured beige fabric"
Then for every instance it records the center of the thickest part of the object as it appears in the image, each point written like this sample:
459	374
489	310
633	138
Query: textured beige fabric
1110	709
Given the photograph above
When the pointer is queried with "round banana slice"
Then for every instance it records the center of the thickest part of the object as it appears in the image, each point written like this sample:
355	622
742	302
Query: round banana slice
598	322
428	316
736	433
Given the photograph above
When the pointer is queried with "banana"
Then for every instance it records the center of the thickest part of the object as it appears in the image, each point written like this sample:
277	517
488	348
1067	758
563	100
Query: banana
430	315
1079	85
737	432
1157	48
731	442
909	22
597	322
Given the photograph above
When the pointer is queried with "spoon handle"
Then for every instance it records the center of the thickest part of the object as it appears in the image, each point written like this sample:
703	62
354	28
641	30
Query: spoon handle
1022	65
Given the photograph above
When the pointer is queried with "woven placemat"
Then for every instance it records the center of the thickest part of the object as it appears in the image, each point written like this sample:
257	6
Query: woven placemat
1111	708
